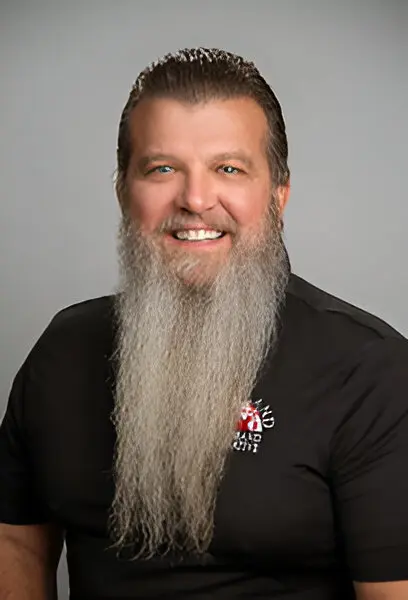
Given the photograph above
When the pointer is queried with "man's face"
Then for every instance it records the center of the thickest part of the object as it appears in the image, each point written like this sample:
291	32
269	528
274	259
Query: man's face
198	173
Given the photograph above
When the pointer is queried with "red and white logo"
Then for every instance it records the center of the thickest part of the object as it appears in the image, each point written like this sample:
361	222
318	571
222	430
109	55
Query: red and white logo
254	419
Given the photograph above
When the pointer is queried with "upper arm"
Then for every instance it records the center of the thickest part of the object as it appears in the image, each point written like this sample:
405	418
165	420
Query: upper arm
20	498
369	472
393	590
30	545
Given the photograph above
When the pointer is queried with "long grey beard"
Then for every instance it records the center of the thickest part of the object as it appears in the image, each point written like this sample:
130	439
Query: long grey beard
188	359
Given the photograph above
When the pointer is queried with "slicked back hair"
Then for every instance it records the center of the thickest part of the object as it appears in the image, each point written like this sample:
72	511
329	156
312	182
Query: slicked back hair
198	75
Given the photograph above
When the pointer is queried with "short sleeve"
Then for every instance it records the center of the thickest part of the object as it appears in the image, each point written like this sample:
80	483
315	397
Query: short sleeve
19	502
370	464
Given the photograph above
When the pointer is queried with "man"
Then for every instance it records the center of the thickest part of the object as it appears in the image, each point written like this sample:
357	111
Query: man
219	428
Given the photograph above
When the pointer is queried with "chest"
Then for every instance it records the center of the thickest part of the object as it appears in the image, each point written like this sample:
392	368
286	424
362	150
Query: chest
274	504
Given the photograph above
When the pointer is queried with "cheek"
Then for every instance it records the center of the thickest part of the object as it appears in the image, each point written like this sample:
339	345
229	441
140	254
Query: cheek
148	206
249	209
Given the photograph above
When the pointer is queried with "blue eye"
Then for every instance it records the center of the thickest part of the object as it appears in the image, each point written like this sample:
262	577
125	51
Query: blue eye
160	169
229	170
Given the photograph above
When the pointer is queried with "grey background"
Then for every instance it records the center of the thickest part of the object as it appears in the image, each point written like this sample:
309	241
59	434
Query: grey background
339	69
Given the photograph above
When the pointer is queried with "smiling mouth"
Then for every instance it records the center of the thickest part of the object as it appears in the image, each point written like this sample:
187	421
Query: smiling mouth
197	235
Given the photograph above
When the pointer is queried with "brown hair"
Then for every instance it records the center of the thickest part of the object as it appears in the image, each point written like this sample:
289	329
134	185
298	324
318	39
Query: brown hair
199	75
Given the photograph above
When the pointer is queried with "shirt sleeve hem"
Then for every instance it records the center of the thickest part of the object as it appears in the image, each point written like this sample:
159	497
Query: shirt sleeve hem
387	564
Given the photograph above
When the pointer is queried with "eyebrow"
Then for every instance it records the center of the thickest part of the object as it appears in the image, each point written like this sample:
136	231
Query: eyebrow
235	155
145	160
239	155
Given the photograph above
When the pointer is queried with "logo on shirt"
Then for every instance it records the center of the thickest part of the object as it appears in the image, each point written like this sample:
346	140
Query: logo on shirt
254	420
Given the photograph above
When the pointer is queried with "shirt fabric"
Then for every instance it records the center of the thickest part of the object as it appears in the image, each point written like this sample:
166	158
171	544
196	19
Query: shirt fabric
315	493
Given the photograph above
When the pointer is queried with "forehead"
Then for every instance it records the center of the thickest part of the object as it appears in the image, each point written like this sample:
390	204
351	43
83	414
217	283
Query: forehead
163	124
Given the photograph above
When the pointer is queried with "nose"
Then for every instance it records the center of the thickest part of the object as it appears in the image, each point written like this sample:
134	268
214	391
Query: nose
197	194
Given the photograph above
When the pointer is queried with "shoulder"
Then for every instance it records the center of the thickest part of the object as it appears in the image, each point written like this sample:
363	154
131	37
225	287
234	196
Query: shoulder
76	331
354	367
71	355
332	324
84	315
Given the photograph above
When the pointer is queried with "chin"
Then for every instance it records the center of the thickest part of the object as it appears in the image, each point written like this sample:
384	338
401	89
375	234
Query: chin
202	275
197	279
196	270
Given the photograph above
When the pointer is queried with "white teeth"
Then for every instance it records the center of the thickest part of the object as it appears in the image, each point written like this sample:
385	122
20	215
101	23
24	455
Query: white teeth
197	234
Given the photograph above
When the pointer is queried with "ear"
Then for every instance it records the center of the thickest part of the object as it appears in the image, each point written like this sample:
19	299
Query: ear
120	192
283	193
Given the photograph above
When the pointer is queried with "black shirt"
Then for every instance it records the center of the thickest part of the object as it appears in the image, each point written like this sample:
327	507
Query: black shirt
316	490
